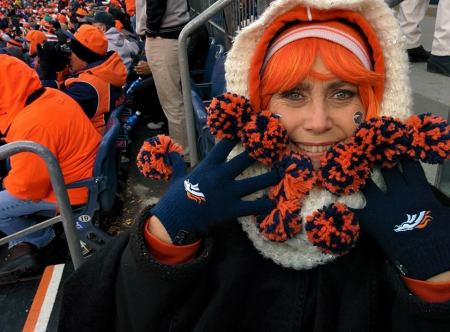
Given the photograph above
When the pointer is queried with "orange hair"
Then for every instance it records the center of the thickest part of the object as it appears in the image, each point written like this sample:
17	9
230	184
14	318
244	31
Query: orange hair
292	64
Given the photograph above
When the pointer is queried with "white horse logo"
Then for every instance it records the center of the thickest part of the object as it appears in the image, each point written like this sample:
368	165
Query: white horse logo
418	221
193	192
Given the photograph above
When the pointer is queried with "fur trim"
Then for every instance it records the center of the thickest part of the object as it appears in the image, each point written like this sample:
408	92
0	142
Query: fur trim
397	94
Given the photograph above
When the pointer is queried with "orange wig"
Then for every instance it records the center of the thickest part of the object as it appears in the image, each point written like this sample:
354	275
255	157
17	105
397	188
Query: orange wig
292	64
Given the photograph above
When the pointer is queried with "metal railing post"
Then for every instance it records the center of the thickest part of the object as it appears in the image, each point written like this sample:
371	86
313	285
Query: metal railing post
59	188
194	24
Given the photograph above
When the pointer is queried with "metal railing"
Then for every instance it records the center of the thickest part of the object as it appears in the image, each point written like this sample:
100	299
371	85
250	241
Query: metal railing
62	198
237	15
193	25
224	16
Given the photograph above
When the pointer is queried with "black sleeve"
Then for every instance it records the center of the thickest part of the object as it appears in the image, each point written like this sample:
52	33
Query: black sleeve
409	310
155	12
123	288
88	294
148	292
85	95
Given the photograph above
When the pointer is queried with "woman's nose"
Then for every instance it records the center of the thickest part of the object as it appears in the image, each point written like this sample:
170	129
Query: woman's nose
318	119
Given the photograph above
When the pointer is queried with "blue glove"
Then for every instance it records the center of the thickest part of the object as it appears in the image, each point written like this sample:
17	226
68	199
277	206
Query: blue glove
210	194
408	222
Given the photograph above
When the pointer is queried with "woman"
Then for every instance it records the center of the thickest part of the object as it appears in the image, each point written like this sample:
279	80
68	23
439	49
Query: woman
311	76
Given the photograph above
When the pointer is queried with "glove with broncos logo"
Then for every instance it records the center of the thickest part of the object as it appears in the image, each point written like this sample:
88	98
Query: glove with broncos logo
210	194
408	222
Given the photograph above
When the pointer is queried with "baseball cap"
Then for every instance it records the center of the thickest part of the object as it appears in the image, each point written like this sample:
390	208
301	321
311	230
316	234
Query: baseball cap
102	17
88	43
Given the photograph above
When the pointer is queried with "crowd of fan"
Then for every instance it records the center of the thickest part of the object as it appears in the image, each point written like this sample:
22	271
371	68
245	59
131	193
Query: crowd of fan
64	68
19	21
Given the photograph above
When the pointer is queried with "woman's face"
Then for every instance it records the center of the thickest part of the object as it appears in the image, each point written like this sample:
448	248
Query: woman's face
318	114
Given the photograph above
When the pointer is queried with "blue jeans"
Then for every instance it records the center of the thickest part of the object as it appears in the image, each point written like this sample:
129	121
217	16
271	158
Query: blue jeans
13	218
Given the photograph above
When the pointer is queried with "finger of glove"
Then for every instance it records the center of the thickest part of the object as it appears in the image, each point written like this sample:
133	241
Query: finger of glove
178	165
220	151
237	165
256	183
394	179
372	192
259	206
413	173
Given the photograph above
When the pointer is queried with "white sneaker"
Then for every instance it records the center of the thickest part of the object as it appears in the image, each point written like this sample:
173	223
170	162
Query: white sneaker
155	125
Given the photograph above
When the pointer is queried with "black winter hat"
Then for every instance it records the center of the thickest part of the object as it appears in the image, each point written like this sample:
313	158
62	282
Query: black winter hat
103	17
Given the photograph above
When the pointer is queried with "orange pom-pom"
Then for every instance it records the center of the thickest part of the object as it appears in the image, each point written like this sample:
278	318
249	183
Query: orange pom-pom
227	115
430	138
152	159
345	169
384	140
333	229
265	138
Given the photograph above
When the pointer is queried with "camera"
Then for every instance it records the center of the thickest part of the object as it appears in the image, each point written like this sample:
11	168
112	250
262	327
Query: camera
55	53
63	52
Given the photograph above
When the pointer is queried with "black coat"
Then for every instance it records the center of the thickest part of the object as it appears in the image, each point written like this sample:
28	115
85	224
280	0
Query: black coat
231	287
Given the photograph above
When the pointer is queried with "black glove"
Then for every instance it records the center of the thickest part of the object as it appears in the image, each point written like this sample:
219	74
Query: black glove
51	59
408	222
210	194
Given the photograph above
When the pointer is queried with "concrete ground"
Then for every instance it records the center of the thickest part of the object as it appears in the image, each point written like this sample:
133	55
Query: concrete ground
431	93
138	191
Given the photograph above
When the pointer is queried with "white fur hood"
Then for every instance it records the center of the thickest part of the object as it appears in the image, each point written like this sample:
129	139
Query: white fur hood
298	252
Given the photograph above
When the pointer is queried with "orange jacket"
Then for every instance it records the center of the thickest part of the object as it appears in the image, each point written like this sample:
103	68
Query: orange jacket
54	120
131	7
110	72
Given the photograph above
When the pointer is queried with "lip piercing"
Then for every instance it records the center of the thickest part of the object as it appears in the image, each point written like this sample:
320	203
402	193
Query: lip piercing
358	118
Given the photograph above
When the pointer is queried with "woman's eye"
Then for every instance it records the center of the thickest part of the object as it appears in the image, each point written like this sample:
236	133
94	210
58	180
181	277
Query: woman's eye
343	94
292	94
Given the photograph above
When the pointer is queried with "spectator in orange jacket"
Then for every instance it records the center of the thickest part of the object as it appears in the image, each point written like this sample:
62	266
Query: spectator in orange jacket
29	111
97	75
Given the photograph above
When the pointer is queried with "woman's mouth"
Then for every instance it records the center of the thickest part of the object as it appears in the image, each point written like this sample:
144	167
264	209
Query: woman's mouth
314	149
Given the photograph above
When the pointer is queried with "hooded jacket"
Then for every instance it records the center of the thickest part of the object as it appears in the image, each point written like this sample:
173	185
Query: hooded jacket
119	43
47	116
242	67
240	281
98	88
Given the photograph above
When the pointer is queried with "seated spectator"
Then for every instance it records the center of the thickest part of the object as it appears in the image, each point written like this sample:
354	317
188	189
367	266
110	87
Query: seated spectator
97	76
49	117
117	41
34	38
119	15
146	99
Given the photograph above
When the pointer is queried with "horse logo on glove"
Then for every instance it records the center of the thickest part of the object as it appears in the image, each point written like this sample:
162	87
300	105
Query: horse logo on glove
193	192
418	221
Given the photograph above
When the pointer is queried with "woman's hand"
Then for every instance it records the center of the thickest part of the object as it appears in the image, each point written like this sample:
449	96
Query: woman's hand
210	194
408	222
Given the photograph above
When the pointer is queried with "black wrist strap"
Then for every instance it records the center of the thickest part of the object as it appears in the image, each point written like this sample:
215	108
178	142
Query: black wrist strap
183	238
